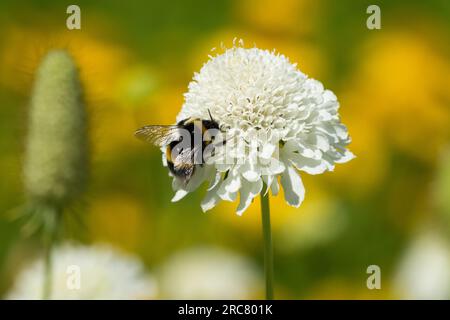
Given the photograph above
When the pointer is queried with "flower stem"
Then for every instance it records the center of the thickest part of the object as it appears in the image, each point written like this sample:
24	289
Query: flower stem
268	249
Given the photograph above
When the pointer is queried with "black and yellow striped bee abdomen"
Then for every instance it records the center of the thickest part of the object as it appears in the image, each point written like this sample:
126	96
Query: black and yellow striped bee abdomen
182	158
184	167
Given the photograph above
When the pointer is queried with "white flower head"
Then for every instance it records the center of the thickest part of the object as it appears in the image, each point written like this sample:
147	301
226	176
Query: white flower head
78	272
275	120
209	273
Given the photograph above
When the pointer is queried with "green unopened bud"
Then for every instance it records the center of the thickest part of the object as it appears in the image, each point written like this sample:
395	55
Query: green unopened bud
56	149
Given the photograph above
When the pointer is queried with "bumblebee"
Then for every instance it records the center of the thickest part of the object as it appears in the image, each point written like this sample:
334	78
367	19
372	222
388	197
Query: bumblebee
184	149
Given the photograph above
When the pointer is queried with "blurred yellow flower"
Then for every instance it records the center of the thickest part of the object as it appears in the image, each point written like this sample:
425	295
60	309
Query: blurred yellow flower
117	219
285	219
371	166
102	66
280	17
318	222
112	130
162	107
99	62
397	98
136	85
402	87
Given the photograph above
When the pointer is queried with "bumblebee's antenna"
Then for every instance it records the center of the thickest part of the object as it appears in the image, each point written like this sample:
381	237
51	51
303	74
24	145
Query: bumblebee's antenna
210	115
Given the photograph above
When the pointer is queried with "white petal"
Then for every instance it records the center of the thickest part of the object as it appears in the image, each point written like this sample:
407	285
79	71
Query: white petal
322	142
341	131
325	116
250	172
180	194
176	184
268	181
214	182
311	153
223	167
199	176
308	165
251	176
346	157
290	146
249	190
232	183
275	167
275	187
226	195
267	151
329	96
229	188
294	191
210	200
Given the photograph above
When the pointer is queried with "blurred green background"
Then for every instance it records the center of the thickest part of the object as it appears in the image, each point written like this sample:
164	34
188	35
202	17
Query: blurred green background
136	59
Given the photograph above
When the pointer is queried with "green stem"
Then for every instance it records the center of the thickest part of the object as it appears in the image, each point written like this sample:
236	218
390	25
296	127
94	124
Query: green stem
47	288
268	249
51	221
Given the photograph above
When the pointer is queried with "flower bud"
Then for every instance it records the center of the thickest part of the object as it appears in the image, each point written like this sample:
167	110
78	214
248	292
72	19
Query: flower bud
55	166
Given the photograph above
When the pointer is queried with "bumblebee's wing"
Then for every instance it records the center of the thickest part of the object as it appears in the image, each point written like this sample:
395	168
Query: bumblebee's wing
187	155
183	164
158	135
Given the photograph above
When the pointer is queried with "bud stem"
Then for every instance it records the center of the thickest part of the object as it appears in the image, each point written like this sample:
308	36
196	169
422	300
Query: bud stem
49	235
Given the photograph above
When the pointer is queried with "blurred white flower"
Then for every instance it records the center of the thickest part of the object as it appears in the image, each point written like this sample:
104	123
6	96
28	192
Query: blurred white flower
208	273
424	272
104	273
263	104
